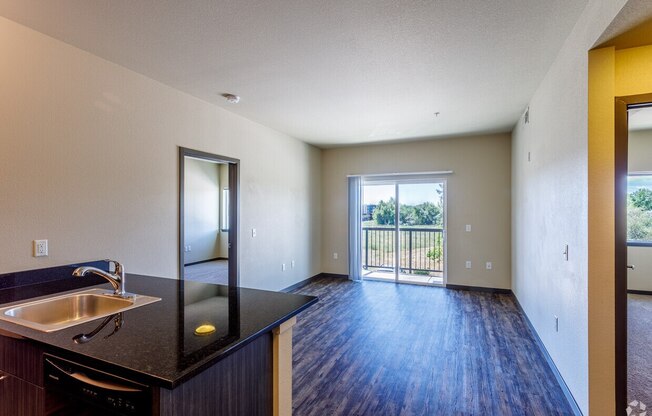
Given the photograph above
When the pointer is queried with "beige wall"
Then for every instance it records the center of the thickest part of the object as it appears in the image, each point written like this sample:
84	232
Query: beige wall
478	194
640	160
224	235
640	151
550	206
201	210
641	277
88	160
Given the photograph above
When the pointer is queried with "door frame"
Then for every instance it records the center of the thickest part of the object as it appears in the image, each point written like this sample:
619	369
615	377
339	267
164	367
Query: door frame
402	179
621	138
234	209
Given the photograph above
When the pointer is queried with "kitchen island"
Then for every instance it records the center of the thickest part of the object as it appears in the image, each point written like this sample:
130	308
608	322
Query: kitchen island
240	366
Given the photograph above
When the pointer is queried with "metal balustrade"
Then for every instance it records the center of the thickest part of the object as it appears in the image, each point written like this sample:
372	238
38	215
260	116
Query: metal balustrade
378	248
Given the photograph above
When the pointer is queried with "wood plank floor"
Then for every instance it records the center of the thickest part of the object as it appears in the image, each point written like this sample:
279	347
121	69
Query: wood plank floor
377	348
216	272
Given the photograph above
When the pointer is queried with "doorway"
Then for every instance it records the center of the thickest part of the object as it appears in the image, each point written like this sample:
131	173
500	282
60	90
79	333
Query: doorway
403	230
208	217
634	249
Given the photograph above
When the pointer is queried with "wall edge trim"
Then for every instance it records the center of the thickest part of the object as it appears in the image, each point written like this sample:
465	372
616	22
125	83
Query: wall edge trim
309	280
480	289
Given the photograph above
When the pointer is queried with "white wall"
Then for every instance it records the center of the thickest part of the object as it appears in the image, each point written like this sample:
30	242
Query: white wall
478	194
640	160
88	160
201	210
549	203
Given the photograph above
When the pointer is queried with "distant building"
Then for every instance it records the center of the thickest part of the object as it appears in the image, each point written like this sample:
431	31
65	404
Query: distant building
368	211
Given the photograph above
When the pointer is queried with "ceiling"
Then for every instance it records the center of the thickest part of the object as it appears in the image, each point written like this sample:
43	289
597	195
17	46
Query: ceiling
330	72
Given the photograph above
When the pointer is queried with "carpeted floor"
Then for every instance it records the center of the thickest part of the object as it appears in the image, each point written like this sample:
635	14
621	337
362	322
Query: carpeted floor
216	271
639	348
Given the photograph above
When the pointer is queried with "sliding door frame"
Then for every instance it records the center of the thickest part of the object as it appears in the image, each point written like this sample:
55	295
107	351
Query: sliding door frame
396	181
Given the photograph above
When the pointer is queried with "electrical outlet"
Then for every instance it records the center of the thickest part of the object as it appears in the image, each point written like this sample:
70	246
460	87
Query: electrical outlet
283	267
40	248
189	248
489	266
556	324
468	228
468	264
292	264
253	232
335	256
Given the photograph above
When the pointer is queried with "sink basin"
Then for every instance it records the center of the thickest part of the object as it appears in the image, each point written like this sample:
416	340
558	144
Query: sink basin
64	311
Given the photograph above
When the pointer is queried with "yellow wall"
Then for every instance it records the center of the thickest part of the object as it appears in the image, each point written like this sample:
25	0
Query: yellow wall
633	71
601	232
612	73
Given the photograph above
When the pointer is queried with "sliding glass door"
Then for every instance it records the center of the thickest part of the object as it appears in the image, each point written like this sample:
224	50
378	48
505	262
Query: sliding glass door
379	231
403	230
421	232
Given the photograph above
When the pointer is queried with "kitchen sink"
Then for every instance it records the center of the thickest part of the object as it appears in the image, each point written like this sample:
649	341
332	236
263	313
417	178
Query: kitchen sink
63	311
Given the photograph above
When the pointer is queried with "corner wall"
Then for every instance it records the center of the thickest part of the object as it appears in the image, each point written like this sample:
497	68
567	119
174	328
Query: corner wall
478	194
89	162
550	209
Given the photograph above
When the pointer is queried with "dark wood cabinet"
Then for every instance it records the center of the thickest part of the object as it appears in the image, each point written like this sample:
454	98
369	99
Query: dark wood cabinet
240	384
21	378
19	397
22	359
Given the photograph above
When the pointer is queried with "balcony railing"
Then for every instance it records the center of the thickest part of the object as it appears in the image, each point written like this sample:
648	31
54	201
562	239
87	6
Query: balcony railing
378	249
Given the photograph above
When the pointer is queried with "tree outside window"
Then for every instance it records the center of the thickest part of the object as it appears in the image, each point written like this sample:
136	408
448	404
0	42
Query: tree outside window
639	208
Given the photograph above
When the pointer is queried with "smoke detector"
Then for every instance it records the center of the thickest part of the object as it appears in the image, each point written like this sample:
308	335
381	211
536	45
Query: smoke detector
232	98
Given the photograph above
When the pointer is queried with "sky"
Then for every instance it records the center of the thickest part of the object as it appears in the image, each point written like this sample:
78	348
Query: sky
411	194
636	182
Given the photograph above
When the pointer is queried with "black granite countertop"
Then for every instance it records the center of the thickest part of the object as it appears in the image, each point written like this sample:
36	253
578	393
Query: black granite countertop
156	343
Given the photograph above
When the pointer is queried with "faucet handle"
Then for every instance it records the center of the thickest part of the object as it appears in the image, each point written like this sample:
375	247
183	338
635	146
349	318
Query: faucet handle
118	268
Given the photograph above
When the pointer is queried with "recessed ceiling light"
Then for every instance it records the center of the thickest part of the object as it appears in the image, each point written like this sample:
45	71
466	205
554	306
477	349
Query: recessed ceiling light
232	98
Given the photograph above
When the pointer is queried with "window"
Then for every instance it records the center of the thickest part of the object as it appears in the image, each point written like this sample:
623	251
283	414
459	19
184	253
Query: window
225	209
639	209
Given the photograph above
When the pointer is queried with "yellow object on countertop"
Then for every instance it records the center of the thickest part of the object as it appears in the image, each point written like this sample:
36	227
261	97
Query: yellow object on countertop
204	330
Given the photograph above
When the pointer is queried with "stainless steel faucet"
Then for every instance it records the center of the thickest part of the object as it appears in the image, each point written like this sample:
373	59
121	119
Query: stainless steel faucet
117	278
